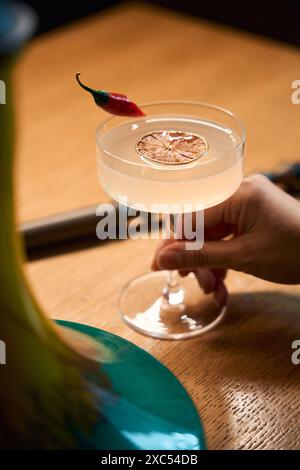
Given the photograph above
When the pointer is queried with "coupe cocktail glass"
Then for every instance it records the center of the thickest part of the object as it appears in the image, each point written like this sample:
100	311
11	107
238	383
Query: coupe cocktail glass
161	304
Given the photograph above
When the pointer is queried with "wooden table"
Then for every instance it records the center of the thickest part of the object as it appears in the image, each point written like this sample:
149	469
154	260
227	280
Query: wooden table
240	376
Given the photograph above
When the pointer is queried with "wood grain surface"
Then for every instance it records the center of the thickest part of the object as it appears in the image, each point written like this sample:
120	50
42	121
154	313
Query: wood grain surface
240	376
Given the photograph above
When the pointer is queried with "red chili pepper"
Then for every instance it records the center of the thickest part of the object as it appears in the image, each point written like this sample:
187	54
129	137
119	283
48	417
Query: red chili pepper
114	103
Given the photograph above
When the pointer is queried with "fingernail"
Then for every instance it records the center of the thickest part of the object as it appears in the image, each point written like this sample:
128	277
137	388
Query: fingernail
209	285
206	280
207	288
169	259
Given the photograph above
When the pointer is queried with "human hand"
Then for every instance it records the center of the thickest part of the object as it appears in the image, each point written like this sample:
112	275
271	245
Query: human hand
263	224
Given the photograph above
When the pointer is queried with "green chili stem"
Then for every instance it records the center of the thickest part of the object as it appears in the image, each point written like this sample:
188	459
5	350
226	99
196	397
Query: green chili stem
100	96
85	87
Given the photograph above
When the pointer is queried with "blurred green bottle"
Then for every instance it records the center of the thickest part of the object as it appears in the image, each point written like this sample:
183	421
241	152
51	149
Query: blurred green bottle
45	384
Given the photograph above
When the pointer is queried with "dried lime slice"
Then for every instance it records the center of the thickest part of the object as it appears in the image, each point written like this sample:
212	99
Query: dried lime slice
171	147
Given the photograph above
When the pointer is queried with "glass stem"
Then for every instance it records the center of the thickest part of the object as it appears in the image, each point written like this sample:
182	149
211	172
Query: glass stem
172	305
172	280
172	276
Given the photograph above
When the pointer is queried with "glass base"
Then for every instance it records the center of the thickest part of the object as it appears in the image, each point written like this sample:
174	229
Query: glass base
146	306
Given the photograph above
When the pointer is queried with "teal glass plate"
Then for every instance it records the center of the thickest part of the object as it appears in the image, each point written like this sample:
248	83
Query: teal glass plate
148	408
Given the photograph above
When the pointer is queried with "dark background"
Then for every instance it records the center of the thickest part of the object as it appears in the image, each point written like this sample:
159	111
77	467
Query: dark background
280	20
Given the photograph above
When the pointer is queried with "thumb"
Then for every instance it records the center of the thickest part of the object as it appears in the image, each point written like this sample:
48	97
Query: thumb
214	254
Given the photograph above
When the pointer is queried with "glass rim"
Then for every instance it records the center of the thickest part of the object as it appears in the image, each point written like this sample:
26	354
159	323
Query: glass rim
174	102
